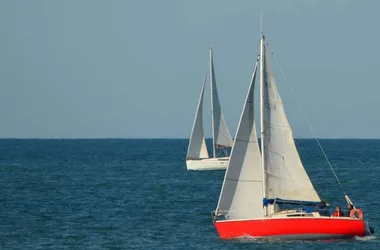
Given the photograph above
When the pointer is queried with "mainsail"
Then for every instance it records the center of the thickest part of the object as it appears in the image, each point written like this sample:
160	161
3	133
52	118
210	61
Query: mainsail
221	135
197	146
286	177
242	191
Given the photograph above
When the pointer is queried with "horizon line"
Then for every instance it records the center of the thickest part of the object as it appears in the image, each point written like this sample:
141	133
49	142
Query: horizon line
164	138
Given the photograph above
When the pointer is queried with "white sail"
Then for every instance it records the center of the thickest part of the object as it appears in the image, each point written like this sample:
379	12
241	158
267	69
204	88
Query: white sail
241	196
221	135
286	177
197	146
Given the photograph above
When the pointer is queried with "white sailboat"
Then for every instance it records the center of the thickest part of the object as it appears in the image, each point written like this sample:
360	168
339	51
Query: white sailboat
197	157
268	193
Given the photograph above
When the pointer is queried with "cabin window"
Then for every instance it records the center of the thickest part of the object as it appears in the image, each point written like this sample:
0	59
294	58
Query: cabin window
300	215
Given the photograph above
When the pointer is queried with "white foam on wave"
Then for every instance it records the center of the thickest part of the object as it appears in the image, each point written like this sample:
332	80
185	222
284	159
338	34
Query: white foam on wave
365	238
252	239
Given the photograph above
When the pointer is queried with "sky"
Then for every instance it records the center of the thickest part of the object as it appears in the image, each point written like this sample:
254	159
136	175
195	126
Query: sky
134	68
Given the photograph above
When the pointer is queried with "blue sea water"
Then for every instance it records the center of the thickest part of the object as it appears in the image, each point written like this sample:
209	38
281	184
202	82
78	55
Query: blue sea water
137	194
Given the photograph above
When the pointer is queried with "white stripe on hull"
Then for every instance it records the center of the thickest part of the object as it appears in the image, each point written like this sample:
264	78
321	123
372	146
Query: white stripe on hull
208	164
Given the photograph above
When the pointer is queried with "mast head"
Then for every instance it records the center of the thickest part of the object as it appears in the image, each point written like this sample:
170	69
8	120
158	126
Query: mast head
262	37
211	51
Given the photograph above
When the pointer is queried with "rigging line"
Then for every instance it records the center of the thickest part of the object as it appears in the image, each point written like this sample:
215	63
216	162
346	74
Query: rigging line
237	180
294	182
246	141
308	123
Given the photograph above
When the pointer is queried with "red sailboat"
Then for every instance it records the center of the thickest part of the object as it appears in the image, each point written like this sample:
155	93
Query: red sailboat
267	192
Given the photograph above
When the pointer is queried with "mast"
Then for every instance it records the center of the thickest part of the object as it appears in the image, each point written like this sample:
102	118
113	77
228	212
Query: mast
212	105
262	58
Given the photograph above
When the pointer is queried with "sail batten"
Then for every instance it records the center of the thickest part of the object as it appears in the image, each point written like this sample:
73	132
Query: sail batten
242	190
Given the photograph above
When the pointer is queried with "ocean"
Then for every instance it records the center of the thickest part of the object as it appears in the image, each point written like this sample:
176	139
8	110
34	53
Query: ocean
137	194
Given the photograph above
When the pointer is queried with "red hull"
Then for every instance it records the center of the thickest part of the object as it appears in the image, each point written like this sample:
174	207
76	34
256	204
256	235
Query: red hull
292	228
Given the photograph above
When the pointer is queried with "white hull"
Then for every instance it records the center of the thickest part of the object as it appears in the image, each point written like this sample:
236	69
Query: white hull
208	164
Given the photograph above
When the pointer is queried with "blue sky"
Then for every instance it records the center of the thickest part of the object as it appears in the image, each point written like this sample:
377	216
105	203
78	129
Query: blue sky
134	69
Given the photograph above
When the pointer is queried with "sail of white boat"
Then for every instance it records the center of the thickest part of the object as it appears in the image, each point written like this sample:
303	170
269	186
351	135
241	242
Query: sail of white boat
197	146
221	135
242	191
285	174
